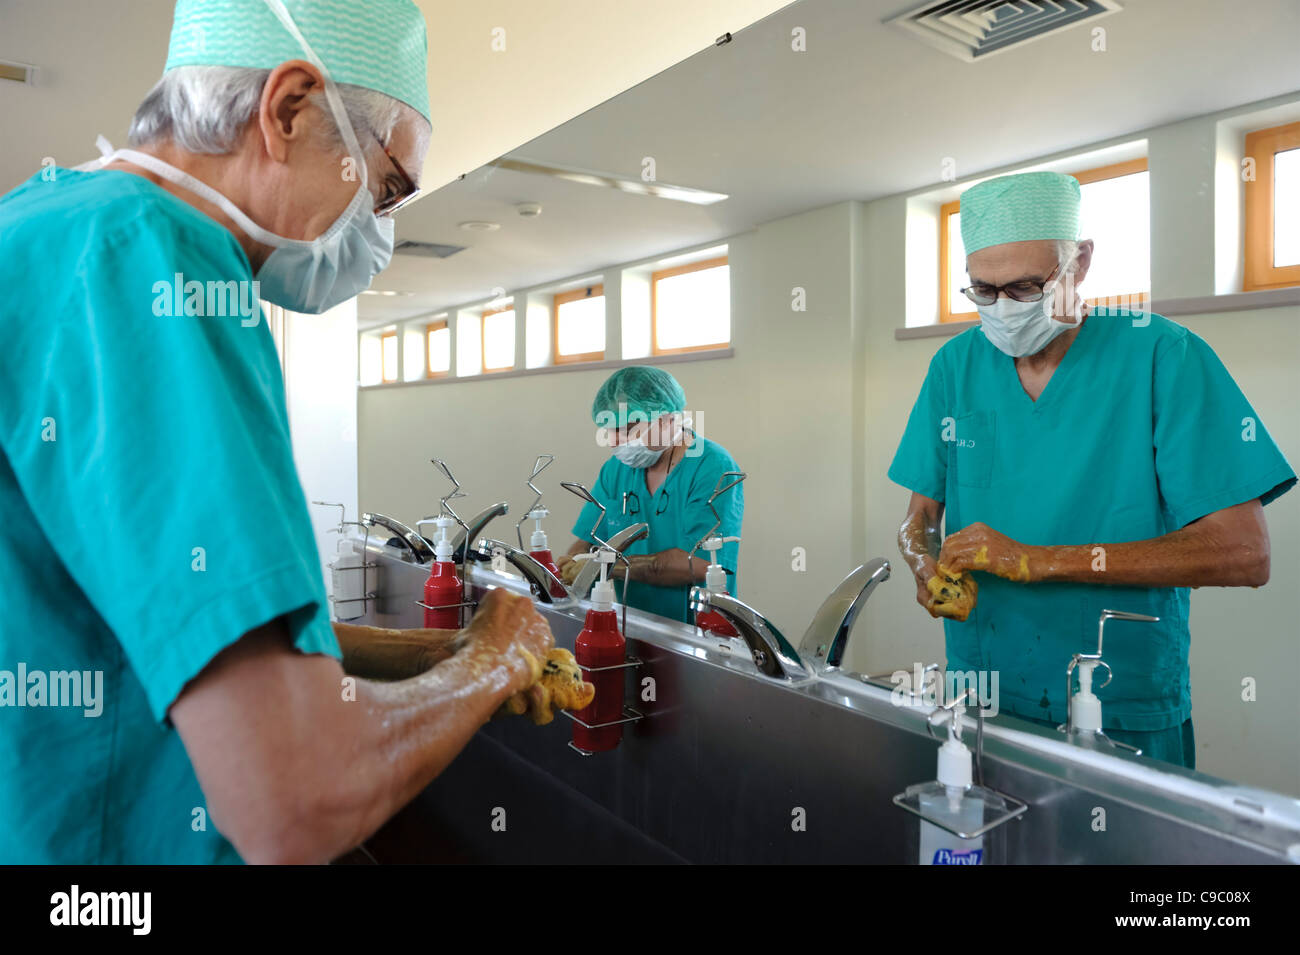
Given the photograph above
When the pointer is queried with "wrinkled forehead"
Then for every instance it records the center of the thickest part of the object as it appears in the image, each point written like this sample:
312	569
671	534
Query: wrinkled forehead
1012	261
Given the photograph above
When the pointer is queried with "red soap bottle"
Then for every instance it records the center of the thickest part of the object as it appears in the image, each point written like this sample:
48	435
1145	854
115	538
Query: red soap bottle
443	589
715	581
540	550
601	645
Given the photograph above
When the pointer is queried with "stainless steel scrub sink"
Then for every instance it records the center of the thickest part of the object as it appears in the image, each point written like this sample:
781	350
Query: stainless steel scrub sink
729	765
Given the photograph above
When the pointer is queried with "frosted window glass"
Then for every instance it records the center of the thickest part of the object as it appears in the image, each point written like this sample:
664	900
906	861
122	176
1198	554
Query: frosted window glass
1286	208
499	340
582	326
693	308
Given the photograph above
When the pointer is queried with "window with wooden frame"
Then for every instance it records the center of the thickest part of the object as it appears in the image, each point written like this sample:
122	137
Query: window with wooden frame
437	349
388	348
578	325
690	307
1114	211
497	337
1273	209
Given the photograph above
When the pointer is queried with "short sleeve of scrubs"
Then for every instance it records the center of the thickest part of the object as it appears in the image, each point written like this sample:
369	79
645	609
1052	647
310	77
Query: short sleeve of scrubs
921	462
1211	450
153	447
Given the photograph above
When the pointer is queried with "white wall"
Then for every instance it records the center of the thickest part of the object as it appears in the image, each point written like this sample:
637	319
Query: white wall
320	360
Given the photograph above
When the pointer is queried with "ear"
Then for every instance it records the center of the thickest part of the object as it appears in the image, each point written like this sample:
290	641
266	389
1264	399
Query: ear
1082	259
282	117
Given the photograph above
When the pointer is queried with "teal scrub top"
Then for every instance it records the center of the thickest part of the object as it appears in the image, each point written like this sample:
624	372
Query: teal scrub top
152	513
1139	432
678	514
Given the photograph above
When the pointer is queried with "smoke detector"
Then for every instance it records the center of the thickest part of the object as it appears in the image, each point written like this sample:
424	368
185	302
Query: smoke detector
971	29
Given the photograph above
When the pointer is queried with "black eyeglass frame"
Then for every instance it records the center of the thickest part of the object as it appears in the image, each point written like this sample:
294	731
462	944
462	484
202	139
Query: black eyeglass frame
1024	290
409	191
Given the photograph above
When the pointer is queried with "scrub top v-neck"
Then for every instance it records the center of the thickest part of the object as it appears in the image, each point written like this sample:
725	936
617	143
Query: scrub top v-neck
1138	433
677	512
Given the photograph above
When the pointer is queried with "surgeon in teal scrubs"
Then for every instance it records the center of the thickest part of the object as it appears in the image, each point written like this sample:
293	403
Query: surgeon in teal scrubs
1079	459
662	472
170	684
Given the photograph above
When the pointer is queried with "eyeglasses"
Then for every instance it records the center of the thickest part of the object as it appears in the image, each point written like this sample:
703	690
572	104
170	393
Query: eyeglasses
406	191
1025	290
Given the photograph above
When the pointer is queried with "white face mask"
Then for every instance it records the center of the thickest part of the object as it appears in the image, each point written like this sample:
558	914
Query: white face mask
1021	328
303	275
635	454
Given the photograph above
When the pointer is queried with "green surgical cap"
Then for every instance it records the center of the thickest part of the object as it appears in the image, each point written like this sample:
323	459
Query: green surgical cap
646	391
1030	205
376	44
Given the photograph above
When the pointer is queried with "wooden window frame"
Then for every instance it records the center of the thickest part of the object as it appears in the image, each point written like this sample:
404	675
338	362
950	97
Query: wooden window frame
654	306
383	370
561	298
1112	171
1260	273
482	339
429	329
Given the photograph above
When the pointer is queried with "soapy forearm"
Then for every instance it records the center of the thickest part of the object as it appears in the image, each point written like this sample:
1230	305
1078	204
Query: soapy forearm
300	762
380	653
1228	548
668	568
919	541
1189	557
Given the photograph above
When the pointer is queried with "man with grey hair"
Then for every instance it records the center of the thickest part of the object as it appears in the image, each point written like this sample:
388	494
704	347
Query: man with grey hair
155	528
1081	459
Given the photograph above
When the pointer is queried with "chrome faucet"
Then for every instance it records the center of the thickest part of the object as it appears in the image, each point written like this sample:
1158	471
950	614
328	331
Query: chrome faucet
475	526
419	548
534	572
771	652
827	637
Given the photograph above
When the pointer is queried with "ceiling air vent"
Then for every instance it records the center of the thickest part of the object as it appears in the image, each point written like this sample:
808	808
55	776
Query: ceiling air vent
971	29
429	250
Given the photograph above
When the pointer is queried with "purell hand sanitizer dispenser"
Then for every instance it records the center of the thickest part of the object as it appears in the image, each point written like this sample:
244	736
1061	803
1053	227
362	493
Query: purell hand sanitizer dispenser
958	820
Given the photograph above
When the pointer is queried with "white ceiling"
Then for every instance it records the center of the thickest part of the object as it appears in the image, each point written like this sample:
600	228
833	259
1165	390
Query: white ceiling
867	111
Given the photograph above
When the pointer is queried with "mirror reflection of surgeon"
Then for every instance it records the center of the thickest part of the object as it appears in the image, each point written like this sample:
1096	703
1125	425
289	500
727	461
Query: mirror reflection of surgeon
1079	459
662	472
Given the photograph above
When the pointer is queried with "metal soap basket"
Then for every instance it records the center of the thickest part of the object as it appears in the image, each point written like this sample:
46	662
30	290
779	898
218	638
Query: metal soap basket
445	508
630	714
365	565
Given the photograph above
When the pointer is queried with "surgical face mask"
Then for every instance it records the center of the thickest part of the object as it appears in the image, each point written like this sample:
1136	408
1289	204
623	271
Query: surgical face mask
635	454
1021	328
304	275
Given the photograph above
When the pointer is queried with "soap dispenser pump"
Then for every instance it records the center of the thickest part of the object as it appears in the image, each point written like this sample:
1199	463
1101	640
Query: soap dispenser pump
1083	708
538	547
715	581
540	550
443	590
601	650
959	819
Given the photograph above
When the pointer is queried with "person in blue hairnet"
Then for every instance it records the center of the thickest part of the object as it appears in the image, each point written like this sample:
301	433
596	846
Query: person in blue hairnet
1080	459
660	472
160	568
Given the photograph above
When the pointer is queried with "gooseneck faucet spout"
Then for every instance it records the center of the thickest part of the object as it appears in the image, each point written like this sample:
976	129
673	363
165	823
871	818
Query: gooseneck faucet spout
771	652
827	638
417	545
534	572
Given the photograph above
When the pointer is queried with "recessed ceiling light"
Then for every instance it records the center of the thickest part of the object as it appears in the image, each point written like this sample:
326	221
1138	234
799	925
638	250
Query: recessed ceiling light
473	226
376	291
